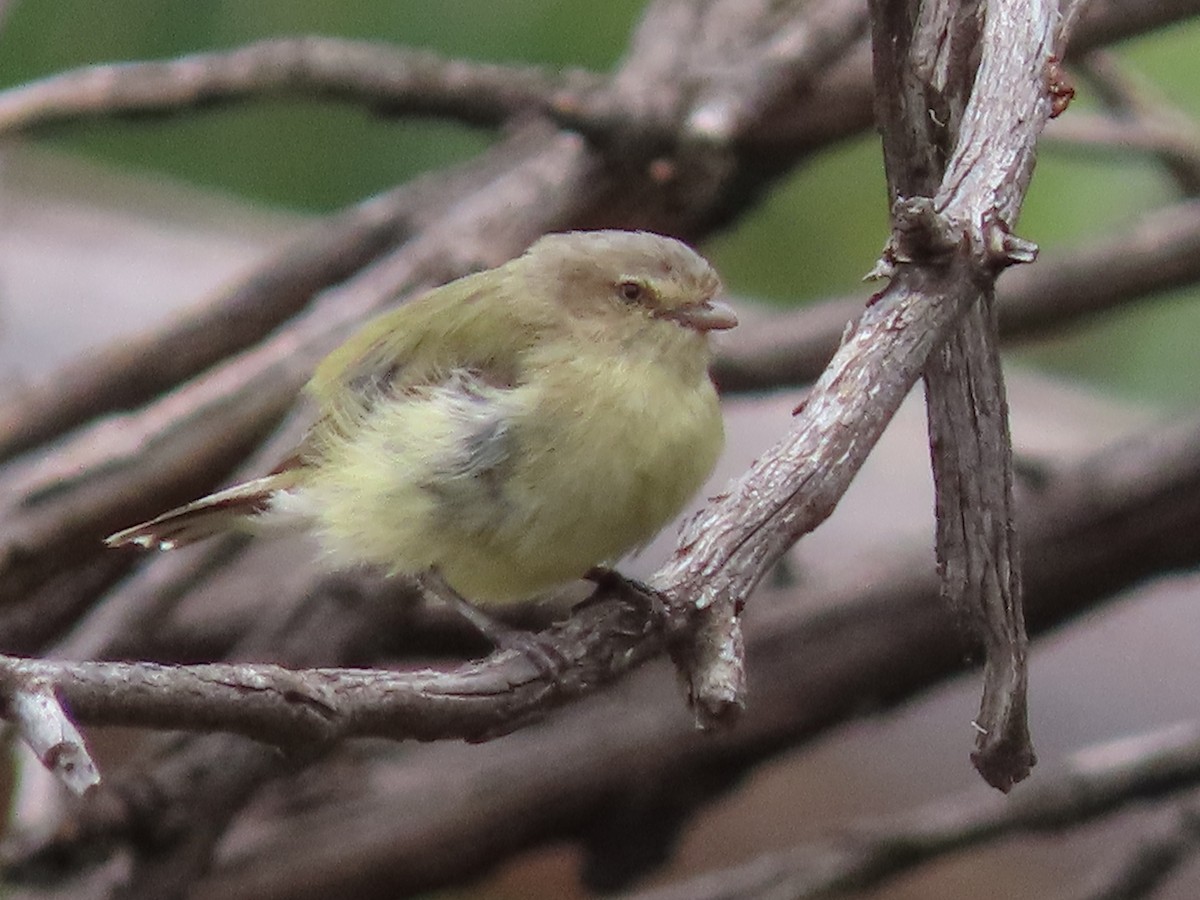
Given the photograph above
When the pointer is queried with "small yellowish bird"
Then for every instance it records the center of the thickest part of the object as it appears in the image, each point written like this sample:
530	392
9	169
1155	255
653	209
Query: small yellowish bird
508	431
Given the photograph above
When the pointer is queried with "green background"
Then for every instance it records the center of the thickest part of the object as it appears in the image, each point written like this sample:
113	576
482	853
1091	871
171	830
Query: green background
817	234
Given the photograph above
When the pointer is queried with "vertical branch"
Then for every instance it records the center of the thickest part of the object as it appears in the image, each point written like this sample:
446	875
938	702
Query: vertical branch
936	133
971	452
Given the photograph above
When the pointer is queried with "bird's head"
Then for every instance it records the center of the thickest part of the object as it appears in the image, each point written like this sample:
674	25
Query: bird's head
624	280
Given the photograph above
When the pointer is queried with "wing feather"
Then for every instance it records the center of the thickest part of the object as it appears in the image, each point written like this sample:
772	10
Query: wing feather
466	326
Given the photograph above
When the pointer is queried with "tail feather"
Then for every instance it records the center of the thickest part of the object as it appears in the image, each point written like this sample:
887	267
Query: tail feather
225	510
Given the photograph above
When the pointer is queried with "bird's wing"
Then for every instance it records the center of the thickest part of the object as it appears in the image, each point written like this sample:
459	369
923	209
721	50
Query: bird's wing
468	476
468	326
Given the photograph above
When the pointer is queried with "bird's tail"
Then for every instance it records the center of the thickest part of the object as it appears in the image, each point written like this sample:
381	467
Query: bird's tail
229	510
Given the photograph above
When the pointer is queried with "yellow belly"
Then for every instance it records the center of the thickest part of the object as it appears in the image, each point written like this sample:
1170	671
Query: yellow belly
586	477
589	488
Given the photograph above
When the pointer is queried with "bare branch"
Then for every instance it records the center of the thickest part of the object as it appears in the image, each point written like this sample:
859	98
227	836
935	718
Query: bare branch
791	56
1159	253
791	489
840	103
137	369
1095	782
322	706
59	506
1154	858
1089	530
383	76
794	487
947	78
40	720
972	459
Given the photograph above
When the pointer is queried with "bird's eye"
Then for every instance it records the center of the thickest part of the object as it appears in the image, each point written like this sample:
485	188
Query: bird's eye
631	291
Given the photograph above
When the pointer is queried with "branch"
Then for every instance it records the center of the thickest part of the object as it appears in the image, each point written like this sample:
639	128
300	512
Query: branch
792	54
1158	253
1138	118
401	81
1090	530
950	78
139	368
972	459
382	76
58	506
30	704
601	642
1153	859
791	489
1095	782
319	707
840	103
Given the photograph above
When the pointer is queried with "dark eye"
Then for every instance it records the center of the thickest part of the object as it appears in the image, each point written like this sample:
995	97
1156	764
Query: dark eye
631	291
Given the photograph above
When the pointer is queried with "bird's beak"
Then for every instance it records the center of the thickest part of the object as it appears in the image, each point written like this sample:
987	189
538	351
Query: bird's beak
702	317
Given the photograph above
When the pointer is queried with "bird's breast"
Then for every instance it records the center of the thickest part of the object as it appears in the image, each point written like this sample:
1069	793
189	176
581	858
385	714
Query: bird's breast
611	450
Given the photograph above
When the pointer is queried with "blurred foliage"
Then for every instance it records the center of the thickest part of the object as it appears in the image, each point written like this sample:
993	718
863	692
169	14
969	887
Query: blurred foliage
817	233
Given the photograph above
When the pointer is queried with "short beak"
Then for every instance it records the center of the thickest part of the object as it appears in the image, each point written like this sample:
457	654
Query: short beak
707	316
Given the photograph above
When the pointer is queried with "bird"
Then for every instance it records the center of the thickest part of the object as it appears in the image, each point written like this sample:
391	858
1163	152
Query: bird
507	432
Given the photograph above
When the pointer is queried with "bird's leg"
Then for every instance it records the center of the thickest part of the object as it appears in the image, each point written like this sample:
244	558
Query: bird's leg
500	635
495	631
611	581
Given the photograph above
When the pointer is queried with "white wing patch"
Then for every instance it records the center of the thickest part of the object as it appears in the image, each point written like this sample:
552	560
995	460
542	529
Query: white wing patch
483	444
471	475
